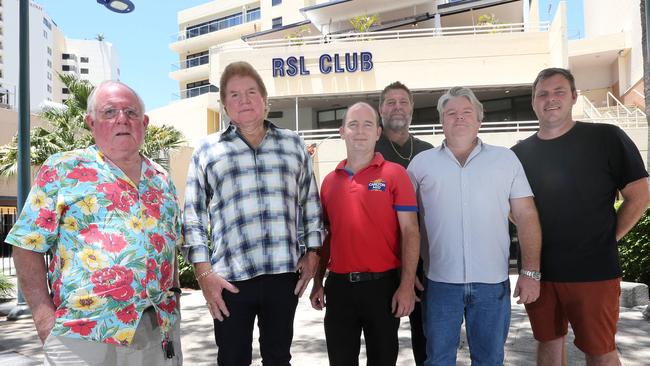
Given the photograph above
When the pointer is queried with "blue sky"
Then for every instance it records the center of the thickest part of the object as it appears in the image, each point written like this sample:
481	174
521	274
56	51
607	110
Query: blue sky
142	37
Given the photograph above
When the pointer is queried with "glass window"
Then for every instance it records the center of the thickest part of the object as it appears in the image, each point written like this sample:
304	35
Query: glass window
84	59
65	91
49	50
276	2
49	88
276	22
330	118
44	34
83	71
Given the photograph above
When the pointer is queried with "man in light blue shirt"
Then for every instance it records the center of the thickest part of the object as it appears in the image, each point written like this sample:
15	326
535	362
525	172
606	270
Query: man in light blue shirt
466	190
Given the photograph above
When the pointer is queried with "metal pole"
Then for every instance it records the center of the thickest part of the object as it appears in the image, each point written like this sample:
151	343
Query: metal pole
21	309
297	122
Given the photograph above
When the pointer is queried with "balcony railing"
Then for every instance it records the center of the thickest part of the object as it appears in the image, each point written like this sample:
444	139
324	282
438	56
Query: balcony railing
387	35
195	92
217	25
191	62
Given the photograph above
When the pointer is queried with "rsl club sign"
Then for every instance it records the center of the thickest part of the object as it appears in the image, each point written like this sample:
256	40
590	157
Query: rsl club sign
349	62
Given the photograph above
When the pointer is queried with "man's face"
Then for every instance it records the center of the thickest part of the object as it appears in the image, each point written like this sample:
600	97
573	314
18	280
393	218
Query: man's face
244	102
459	119
360	130
118	124
553	101
396	111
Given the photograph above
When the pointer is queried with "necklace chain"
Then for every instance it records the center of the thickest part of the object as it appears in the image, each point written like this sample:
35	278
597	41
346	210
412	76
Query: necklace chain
397	152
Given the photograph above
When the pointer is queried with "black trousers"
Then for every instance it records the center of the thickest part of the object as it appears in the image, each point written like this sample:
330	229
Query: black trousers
418	340
270	298
353	307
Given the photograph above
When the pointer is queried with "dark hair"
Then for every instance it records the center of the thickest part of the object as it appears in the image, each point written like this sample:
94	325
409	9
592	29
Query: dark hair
395	85
240	68
552	71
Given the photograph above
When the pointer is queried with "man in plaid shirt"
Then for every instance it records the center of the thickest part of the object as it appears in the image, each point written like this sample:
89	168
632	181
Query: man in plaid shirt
254	187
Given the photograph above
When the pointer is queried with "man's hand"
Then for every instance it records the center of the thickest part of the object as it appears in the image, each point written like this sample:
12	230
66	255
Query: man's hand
44	322
212	285
527	289
307	266
317	296
418	286
403	301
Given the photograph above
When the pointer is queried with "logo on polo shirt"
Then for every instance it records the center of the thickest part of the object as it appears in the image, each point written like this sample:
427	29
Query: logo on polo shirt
377	185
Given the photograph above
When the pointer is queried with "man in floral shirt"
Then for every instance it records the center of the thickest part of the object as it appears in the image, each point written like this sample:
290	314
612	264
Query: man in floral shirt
110	217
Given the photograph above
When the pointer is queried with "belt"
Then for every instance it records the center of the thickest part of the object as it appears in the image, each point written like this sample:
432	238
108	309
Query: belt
362	276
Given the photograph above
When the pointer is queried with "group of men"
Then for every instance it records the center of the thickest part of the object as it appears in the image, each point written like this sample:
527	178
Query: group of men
400	228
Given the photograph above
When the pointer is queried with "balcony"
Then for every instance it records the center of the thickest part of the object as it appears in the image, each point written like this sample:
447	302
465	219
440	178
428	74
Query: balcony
218	31
195	92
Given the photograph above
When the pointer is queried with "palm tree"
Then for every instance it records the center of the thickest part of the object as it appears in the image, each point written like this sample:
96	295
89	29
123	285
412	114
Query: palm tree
67	130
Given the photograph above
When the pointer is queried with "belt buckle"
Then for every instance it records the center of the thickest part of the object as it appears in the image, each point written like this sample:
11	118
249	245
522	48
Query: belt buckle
354	276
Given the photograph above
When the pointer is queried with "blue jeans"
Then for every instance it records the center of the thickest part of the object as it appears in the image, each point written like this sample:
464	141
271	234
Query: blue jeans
486	309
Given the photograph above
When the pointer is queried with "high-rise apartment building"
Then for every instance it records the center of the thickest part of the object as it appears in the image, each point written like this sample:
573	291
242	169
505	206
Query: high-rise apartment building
50	53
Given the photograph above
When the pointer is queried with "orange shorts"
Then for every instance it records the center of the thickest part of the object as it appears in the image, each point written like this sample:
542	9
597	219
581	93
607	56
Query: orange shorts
590	307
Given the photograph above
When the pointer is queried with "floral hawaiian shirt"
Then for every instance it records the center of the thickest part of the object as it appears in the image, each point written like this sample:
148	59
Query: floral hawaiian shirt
113	244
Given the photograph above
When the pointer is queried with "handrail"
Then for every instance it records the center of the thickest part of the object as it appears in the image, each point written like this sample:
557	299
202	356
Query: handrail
384	35
618	103
641	95
190	62
217	25
194	92
591	106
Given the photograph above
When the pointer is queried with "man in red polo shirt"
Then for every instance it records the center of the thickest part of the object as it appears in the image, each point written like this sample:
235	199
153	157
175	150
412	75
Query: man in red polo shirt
371	249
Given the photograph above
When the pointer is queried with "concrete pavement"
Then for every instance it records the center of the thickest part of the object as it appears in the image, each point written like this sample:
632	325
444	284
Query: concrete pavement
19	345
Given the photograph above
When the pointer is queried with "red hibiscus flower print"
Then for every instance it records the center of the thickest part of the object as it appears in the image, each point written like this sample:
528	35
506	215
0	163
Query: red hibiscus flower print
113	243
83	174
149	173
157	241
151	200
143	293
111	340
121	194
114	282
165	274
60	312
152	265
53	261
46	175
128	314
91	234
56	293
81	326
46	219
168	306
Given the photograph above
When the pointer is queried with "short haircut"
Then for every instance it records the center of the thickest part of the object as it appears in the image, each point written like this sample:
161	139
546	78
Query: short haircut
359	104
240	68
395	85
92	98
460	91
552	71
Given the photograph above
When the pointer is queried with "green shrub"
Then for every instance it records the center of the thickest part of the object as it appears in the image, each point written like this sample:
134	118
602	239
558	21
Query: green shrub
186	274
634	251
6	287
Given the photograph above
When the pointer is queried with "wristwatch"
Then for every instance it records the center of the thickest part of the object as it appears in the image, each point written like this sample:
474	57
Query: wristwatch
536	275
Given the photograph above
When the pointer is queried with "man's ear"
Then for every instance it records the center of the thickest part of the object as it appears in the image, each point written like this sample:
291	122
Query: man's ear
145	121
89	121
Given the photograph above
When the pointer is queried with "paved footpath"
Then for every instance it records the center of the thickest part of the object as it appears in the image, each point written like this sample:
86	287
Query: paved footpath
19	345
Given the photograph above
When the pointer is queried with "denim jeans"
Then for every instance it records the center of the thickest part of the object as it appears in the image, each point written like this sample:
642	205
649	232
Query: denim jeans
486	309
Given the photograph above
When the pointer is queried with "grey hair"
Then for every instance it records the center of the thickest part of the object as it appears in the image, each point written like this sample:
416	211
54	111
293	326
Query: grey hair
460	91
90	105
359	104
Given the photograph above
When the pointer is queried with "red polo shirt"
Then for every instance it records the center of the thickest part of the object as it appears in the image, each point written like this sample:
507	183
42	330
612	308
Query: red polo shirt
361	210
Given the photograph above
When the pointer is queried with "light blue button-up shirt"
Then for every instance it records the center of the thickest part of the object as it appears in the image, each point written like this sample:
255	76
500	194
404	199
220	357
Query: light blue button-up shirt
464	211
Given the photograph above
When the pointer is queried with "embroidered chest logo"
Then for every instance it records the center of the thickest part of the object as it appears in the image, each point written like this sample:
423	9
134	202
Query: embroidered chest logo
377	185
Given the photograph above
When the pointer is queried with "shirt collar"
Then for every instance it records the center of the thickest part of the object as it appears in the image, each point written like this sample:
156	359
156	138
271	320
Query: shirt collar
477	149
376	161
231	131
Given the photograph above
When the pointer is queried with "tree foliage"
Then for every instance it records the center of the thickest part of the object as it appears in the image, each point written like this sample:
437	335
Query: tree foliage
66	130
634	251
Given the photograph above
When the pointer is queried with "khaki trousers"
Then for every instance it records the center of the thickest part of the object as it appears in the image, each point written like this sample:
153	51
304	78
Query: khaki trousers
145	350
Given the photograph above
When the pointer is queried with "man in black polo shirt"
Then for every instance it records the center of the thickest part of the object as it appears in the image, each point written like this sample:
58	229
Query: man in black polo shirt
575	170
396	144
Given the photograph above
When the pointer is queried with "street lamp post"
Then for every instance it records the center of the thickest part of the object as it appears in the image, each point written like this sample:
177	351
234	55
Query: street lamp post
119	6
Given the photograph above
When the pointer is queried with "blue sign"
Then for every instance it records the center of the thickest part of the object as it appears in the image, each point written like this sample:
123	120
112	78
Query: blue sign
339	63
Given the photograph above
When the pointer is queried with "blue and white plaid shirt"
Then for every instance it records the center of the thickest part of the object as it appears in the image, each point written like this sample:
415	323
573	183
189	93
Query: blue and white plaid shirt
261	204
